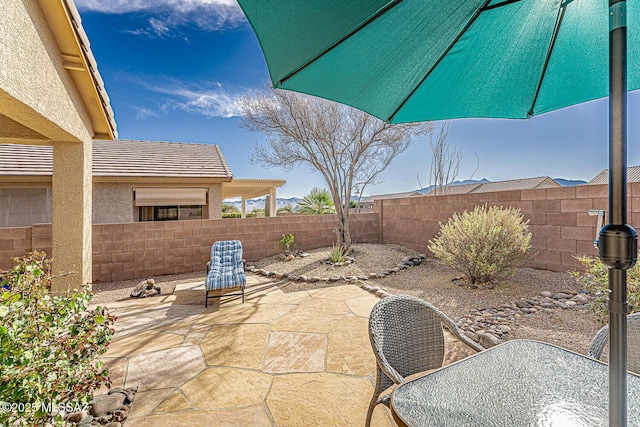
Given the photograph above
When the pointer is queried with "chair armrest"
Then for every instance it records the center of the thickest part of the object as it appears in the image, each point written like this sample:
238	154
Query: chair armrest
208	266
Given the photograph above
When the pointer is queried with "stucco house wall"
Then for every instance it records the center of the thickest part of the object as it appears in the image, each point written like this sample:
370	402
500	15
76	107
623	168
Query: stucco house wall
112	203
51	94
34	84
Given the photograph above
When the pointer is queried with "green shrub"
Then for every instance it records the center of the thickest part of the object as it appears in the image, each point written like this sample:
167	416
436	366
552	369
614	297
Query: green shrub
287	208
482	243
338	253
50	345
231	215
256	213
227	208
287	242
596	280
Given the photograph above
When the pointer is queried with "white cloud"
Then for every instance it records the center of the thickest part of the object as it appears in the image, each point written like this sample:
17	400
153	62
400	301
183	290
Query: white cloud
209	15
214	102
144	112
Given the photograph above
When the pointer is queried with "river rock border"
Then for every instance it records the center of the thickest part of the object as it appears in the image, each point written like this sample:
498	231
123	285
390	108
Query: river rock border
490	325
406	262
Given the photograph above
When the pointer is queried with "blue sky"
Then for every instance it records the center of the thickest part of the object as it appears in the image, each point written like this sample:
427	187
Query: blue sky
175	68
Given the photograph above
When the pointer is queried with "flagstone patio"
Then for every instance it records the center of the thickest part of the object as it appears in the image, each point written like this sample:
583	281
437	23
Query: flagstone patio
279	359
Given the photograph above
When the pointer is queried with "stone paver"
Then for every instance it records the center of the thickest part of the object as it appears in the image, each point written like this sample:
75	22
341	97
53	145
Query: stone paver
313	315
295	352
241	346
227	388
346	344
280	359
144	342
319	400
166	368
255	416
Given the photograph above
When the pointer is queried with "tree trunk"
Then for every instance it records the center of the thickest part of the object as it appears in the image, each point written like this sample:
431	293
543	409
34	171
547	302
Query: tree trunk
344	235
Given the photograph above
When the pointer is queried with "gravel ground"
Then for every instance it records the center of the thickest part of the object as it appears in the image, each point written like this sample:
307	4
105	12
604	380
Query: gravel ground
121	290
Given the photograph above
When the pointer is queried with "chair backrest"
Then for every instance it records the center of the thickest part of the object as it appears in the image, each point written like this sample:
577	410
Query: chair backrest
407	337
601	339
226	254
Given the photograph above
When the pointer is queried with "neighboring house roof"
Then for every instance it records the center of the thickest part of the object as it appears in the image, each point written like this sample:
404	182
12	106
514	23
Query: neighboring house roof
248	188
65	23
513	184
371	199
633	175
124	158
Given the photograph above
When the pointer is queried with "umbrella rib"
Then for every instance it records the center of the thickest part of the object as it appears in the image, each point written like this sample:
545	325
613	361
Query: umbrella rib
493	6
363	24
445	53
556	30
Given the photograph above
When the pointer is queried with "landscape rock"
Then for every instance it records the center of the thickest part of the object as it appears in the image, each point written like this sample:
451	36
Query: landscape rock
111	403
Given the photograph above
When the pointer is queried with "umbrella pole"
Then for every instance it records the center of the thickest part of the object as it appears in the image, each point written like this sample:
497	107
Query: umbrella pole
618	241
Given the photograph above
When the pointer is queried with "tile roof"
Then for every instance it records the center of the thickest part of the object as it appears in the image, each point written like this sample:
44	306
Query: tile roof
370	199
633	175
122	158
513	184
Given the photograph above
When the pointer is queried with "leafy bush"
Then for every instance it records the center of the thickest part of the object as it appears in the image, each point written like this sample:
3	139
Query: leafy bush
596	280
49	344
338	253
258	212
482	243
227	208
287	208
231	215
287	242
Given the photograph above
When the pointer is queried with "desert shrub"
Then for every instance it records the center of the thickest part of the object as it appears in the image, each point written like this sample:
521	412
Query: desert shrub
231	215
287	208
595	279
256	213
50	345
227	208
338	253
287	242
484	242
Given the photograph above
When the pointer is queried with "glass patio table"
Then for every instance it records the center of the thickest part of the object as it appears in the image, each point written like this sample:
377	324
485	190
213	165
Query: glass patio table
517	383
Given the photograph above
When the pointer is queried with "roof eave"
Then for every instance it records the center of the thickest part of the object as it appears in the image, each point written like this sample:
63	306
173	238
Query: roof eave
65	23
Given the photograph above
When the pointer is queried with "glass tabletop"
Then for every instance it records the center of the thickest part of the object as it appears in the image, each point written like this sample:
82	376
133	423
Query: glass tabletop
518	383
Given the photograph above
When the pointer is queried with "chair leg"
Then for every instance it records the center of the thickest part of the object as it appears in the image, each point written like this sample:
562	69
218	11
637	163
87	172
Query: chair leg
243	294
206	300
372	406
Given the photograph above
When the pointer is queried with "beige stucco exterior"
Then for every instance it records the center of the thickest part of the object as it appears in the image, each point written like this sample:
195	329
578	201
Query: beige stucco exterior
112	203
51	94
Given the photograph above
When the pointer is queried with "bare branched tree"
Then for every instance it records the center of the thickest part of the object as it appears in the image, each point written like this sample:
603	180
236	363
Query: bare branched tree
445	163
348	147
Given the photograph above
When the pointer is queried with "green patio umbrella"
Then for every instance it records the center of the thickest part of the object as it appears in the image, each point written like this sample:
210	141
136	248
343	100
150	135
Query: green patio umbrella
417	60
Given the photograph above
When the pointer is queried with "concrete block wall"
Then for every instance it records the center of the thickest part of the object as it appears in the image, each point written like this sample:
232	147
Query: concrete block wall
138	250
558	219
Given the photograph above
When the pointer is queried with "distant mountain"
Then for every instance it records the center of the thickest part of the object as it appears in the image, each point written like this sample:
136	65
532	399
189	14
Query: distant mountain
569	182
425	190
258	203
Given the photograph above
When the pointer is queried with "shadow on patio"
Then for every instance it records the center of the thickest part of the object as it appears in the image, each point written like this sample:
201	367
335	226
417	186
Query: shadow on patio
280	359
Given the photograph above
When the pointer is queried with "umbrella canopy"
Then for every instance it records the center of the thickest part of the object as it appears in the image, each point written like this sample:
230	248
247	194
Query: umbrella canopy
417	60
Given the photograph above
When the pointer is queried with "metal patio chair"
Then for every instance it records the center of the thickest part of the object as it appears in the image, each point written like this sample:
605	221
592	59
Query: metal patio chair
601	339
225	270
407	338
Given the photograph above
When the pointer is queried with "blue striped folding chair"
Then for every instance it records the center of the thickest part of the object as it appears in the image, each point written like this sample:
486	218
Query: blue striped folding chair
225	270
